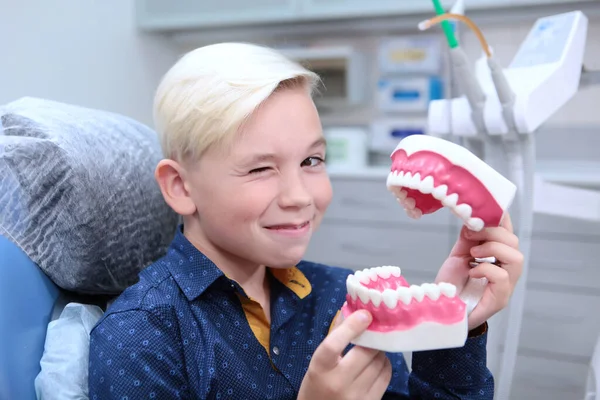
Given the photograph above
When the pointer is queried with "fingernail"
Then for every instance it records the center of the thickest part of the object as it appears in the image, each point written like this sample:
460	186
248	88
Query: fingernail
364	316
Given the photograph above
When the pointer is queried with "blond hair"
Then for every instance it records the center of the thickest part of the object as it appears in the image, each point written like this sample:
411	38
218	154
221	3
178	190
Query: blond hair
207	95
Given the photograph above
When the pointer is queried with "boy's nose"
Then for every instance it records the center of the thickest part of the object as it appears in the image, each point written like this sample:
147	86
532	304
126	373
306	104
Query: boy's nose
294	193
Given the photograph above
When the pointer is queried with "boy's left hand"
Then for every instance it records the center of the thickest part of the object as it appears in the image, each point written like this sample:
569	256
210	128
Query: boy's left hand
500	243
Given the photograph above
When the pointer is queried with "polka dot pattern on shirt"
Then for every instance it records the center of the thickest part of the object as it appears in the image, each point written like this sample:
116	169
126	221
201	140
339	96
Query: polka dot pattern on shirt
181	333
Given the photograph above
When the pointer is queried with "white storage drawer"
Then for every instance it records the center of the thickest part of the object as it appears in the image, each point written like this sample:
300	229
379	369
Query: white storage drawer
540	378
552	226
416	250
562	262
560	324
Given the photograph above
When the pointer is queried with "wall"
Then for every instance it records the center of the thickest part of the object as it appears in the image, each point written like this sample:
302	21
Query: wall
81	52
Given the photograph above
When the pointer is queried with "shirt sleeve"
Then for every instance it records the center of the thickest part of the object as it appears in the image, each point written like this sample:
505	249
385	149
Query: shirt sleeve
459	373
136	355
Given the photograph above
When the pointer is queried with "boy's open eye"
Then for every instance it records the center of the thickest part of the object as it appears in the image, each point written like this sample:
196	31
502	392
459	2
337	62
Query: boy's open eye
312	162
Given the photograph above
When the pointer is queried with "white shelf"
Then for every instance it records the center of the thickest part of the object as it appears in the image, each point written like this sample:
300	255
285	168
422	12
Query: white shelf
340	18
362	173
575	173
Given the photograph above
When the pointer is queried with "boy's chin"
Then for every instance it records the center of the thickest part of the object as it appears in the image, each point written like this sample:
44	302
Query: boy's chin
285	258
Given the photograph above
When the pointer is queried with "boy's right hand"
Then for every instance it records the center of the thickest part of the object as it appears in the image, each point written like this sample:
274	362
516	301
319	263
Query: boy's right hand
360	374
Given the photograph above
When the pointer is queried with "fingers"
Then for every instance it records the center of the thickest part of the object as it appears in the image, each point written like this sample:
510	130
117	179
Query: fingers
464	242
358	360
337	320
496	276
370	379
379	387
496	298
328	353
503	253
500	290
455	271
507	223
510	259
499	234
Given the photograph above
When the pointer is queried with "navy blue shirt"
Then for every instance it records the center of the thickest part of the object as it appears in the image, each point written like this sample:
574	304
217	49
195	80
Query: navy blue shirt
185	331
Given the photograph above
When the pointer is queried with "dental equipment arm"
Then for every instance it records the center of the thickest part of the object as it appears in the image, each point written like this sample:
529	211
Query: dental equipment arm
462	69
546	80
520	155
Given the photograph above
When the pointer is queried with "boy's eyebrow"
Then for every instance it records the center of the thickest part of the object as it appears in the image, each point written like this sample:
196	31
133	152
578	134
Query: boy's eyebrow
319	142
258	158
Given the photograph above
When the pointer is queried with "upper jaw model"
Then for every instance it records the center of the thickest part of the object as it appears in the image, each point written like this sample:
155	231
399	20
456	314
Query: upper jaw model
428	173
405	318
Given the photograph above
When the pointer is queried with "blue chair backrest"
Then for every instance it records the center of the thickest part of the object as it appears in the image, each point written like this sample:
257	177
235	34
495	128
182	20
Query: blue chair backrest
27	299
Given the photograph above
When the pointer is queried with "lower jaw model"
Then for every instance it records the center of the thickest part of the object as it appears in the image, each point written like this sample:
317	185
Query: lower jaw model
429	173
406	317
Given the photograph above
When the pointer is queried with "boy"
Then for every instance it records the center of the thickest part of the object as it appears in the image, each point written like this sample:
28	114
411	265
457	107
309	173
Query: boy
231	311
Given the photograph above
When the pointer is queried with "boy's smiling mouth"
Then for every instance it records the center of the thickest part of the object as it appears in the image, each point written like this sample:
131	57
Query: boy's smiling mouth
291	229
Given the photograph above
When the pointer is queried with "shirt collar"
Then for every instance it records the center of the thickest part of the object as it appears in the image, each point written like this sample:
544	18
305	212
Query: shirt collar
195	273
192	270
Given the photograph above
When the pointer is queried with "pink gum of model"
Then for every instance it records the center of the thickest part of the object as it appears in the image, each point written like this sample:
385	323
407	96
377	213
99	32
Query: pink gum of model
428	173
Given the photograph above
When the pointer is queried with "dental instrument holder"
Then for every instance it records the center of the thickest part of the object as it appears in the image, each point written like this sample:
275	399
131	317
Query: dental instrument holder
544	75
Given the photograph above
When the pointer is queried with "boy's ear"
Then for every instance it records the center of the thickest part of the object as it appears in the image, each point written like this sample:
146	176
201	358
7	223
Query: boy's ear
170	178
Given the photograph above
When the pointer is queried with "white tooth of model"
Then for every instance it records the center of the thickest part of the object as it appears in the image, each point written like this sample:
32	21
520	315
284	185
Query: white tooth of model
447	289
375	297
403	294
385	272
450	201
417	292
363	294
390	298
426	185
463	211
440	192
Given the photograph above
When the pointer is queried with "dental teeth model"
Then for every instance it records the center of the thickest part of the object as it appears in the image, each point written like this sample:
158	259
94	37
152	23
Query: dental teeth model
406	317
429	173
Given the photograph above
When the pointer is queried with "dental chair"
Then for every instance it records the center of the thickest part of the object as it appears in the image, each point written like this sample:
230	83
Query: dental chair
80	216
27	301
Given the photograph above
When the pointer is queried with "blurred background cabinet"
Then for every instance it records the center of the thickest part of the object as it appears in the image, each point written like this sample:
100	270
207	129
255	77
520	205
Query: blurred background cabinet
186	14
199	14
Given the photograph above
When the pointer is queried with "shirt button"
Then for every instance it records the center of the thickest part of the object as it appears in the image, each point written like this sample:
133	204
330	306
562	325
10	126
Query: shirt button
276	350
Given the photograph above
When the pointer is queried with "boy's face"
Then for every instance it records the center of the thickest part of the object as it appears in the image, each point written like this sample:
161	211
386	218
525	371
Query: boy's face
261	201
